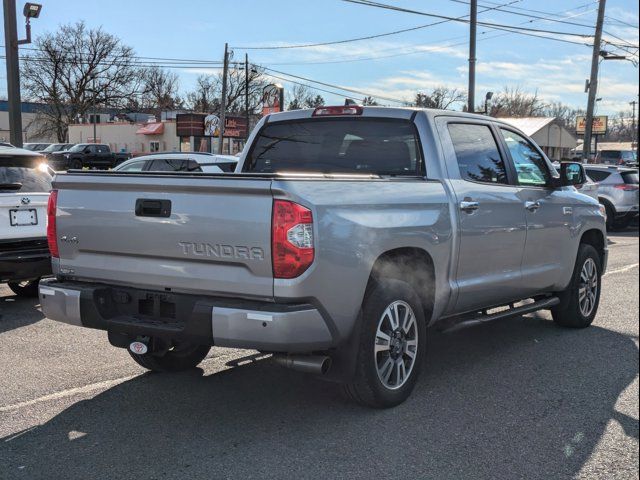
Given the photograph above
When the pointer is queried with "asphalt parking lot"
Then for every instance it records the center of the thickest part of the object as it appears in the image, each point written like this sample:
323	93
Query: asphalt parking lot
518	398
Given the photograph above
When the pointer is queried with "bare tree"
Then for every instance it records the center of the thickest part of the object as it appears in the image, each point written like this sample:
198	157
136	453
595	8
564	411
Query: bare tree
68	65
302	96
206	96
513	102
159	90
440	97
370	101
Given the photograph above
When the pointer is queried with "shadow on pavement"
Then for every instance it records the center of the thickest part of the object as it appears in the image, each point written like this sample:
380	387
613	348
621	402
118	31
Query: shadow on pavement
514	399
16	312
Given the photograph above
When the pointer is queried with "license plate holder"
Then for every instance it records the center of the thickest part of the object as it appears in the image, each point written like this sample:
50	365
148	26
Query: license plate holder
23	217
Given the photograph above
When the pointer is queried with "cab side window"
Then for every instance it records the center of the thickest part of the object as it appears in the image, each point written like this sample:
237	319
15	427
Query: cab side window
531	167
477	153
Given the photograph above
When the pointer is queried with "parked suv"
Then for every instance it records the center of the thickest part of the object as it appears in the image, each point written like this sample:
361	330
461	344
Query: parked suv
618	192
24	191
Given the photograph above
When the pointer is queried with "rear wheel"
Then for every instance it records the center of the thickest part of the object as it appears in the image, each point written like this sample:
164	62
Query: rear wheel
178	358
579	302
27	288
611	214
392	345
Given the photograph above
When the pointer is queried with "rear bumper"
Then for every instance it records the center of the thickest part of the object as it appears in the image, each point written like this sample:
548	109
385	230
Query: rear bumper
27	264
225	322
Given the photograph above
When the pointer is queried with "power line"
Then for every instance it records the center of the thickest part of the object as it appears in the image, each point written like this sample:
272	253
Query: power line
497	26
350	90
356	58
368	37
621	21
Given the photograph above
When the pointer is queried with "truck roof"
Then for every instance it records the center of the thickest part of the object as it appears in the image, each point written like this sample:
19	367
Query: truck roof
385	112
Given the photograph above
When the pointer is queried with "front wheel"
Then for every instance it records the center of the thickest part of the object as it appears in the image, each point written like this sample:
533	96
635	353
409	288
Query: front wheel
26	289
579	302
179	358
392	345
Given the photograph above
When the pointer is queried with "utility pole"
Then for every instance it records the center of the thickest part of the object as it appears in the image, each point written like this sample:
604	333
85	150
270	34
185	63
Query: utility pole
223	100
246	91
93	86
593	83
634	135
471	94
13	72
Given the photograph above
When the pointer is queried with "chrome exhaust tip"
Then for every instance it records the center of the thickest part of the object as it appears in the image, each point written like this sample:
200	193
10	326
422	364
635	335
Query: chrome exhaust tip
316	364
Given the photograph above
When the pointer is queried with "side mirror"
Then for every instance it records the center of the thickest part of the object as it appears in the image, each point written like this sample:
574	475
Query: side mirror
87	150
572	174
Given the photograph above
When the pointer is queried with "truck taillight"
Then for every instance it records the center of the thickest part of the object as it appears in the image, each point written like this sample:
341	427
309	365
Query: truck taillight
52	235
292	250
627	187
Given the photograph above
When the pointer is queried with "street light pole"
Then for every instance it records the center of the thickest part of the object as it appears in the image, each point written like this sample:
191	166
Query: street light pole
13	72
593	83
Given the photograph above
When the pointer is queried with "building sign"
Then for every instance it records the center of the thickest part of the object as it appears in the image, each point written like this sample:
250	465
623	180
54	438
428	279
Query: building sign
235	127
202	125
598	127
272	99
211	126
190	124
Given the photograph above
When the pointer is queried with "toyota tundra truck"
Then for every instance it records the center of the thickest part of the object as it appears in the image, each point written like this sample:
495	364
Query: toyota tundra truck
342	235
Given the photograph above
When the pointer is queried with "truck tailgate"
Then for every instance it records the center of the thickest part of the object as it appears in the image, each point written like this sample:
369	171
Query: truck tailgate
192	234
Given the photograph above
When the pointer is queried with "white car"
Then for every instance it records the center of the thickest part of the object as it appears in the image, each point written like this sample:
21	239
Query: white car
180	162
25	184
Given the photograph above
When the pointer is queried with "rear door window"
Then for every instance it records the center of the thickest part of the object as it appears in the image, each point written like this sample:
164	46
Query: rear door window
337	145
598	175
477	153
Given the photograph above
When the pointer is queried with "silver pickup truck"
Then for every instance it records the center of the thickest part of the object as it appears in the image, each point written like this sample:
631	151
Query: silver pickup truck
343	234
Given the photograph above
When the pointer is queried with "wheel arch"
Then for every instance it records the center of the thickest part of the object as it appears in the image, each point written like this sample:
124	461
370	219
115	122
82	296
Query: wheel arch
596	239
413	265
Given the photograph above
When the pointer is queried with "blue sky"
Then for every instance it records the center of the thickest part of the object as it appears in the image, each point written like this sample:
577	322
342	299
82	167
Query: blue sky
394	66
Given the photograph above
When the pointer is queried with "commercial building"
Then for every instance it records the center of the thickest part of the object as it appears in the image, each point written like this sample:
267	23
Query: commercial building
176	132
30	125
555	140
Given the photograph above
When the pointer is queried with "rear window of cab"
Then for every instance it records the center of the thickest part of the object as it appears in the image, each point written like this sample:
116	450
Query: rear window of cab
379	146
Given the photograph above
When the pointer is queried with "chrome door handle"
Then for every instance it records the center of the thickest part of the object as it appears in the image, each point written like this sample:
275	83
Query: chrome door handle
469	207
532	206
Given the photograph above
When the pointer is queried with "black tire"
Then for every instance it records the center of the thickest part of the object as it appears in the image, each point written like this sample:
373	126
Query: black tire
75	164
569	313
26	289
611	215
183	357
367	388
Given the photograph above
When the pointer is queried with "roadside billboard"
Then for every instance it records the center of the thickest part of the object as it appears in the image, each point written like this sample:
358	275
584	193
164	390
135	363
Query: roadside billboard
598	127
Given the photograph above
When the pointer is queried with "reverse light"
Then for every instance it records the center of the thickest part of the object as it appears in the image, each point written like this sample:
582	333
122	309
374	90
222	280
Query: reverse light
339	110
292	250
52	233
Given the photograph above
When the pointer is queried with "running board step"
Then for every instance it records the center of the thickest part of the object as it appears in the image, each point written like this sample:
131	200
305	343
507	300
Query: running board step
512	312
